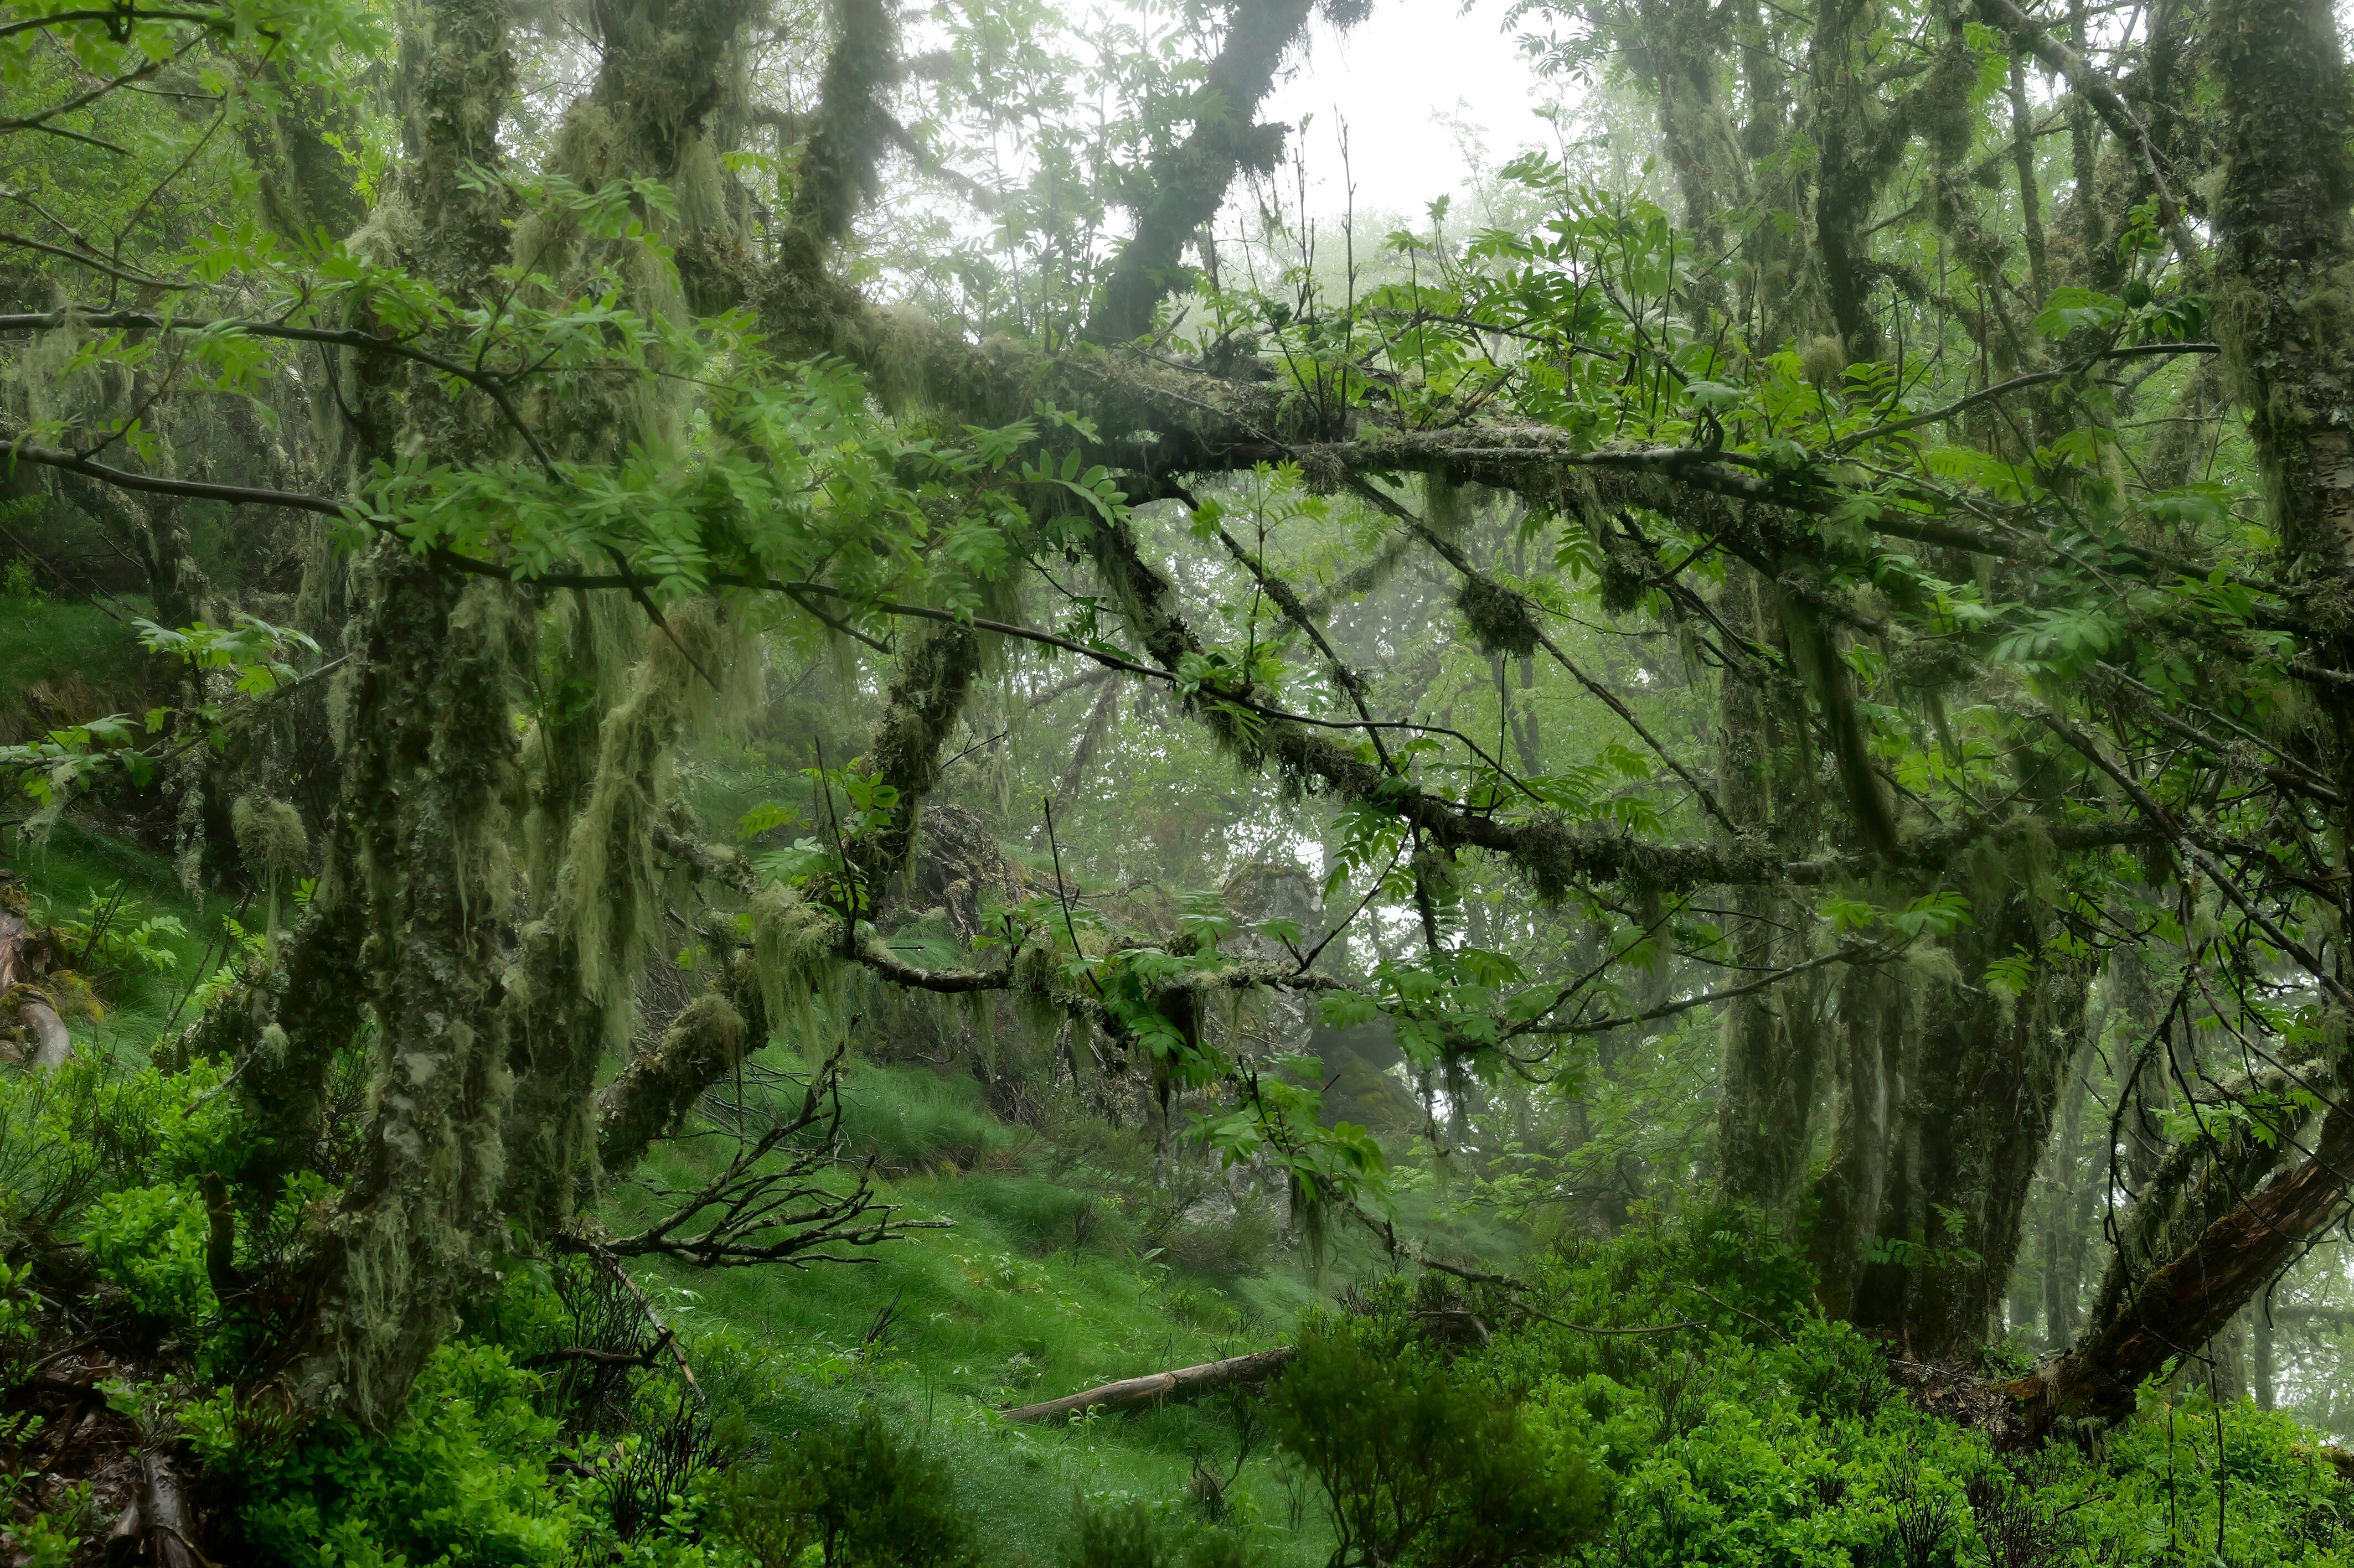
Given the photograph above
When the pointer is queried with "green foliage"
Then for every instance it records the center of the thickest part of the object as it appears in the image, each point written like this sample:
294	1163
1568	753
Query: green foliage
1419	1462
1129	1533
862	1499
462	1477
151	1242
112	932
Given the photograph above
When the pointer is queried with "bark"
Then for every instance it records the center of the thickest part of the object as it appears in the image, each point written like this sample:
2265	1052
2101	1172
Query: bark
1855	156
1872	1033
2282	312
429	776
1157	1388
170	1529
2071	1190
2031	186
1982	1083
1774	1044
2085	159
52	1045
936	675
307	1002
2147	1040
123	1541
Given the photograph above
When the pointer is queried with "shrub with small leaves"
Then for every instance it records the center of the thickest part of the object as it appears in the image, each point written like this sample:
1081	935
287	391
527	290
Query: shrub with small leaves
861	1498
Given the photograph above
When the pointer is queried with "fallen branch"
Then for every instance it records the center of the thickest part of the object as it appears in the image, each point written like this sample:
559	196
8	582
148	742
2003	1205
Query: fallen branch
1156	1387
597	1357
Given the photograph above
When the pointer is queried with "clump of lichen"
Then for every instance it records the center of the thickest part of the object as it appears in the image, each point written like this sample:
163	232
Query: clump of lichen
1824	361
272	840
1500	619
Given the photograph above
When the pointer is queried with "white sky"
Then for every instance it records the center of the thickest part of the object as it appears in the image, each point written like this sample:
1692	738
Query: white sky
1391	77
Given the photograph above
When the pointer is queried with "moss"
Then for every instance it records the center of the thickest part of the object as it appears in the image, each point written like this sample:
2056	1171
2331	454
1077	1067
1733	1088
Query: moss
1500	621
935	676
702	1045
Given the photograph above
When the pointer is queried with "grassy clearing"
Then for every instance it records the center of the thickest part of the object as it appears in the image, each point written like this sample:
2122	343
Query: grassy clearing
1022	1298
1010	1305
1002	1308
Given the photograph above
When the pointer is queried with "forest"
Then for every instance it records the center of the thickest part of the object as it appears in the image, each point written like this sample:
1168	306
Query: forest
817	782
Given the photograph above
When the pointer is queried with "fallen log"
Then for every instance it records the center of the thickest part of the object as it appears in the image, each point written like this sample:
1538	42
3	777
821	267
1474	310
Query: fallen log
1442	1323
1156	1387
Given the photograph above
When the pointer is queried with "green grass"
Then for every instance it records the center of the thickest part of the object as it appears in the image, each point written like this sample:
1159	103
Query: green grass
1001	1310
63	661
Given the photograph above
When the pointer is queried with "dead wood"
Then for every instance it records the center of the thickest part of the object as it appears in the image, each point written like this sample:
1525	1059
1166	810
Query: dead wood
1158	1388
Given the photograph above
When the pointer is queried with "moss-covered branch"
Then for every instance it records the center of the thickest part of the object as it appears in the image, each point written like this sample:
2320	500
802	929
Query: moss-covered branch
1189	181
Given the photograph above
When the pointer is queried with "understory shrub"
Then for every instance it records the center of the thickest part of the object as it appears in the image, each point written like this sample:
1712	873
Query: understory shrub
462	1477
865	1497
1420	1461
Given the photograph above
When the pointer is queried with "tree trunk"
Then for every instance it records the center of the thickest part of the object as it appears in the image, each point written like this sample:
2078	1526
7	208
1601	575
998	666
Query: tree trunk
2063	1241
1773	1041
428	780
1872	1025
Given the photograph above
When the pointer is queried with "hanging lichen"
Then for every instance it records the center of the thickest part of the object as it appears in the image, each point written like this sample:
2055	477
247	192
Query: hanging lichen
793	950
606	891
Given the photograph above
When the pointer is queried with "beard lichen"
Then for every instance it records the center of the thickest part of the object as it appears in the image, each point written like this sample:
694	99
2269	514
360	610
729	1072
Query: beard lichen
800	971
271	838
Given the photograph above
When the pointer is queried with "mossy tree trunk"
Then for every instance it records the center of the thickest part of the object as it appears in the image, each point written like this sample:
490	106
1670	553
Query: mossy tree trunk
2284	266
429	785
